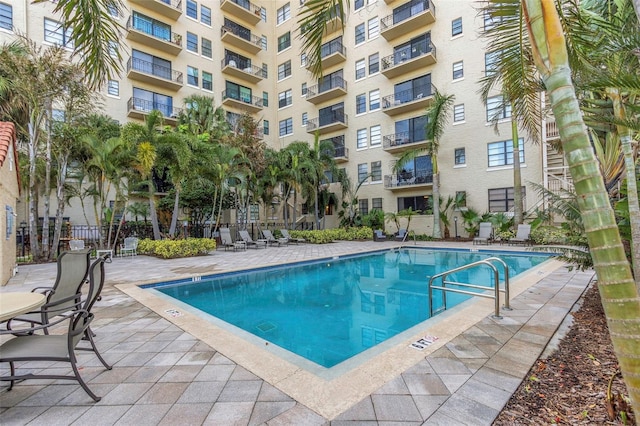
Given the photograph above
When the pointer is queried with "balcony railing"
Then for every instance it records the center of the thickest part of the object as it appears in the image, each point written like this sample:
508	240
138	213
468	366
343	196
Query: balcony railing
169	8
400	139
154	70
328	119
243	9
398	18
552	129
145	106
404	179
333	83
332	47
243	34
399	58
245	4
155	31
340	152
244	66
406	96
249	100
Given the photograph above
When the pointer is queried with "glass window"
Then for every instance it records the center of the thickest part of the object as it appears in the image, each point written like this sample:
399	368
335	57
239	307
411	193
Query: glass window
286	127
112	8
284	41
491	62
458	70
376	203
501	153
360	35
206	48
374	63
303	59
304	89
374	100
207	80
376	171
361	103
497	109
265	99
265	127
284	70
113	49
422	204
458	113
456	27
285	98
205	15
284	13
192	76
192	42
6	16
192	9
373	26
145	100
358	4
375	135
362	138
501	199
361	69
113	88
263	14
459	156
491	21
363	204
363	172
55	33
305	118
263	42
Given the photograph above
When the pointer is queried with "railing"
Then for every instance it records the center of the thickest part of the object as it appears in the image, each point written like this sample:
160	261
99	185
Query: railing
496	285
399	139
176	4
396	19
244	65
145	106
249	100
406	96
158	32
335	82
340	152
552	129
327	119
398	58
559	179
417	177
243	34
332	47
153	69
245	4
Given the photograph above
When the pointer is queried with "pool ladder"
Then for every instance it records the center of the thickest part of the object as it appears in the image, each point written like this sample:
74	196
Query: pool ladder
496	285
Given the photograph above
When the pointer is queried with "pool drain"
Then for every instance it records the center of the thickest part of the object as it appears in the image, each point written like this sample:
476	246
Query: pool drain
266	326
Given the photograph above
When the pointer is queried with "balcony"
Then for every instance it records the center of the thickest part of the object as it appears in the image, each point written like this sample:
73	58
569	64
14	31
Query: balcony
397	64
417	17
325	91
140	108
245	72
409	180
147	72
242	9
552	129
157	38
408	100
326	123
402	141
246	103
169	8
241	39
332	53
341	154
334	23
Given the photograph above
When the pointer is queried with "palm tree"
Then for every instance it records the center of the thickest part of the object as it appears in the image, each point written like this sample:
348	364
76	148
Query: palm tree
320	160
615	281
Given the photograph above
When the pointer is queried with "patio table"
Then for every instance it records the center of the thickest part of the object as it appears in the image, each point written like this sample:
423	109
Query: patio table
17	303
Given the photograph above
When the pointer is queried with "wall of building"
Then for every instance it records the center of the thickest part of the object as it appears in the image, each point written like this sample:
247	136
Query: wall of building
9	193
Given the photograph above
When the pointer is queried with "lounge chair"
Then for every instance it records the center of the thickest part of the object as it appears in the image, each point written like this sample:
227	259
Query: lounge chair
286	235
228	243
250	242
58	347
271	240
522	236
484	234
402	233
76	245
129	247
378	235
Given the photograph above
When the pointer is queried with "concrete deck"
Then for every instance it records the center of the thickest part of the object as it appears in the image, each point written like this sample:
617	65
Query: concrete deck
179	371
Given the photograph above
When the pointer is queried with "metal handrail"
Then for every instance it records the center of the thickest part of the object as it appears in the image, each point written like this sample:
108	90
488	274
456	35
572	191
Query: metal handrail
496	288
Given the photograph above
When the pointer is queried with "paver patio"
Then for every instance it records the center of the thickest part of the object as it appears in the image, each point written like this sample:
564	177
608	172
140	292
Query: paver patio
165	375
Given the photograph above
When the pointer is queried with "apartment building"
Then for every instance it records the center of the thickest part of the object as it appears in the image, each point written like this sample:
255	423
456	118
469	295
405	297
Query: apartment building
379	75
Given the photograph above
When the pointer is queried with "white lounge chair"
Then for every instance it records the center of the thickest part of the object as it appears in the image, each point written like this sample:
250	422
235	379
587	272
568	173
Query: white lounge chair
244	234
286	235
484	234
522	236
273	240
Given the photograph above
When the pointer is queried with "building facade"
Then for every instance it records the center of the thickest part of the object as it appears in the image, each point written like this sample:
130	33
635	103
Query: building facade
9	194
380	73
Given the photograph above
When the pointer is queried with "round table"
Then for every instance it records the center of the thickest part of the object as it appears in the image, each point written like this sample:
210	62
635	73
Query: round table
16	303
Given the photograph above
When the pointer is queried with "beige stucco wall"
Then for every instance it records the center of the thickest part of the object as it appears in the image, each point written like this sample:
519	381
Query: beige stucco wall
9	194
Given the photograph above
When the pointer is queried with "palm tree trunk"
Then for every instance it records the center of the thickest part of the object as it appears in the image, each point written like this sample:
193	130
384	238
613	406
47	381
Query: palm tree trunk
518	205
176	211
33	206
616	285
152	210
47	186
436	206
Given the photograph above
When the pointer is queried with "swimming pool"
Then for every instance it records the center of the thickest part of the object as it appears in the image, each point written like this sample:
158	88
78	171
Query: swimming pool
329	310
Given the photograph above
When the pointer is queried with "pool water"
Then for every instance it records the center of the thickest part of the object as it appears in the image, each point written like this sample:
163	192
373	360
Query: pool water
327	311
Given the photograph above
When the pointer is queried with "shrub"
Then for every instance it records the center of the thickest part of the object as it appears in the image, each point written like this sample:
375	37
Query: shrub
172	249
329	235
546	235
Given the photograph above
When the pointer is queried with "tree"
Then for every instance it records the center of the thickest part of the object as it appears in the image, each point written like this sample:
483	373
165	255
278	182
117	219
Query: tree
319	161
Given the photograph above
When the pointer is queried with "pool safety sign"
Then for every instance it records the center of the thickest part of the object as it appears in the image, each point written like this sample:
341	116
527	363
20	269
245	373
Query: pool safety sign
422	343
174	313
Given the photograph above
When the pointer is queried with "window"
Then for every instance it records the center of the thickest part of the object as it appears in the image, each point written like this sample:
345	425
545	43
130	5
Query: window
305	118
207	80
284	13
112	8
491	21
265	99
286	127
361	70
363	172
303	59
206	48
358	4
456	27
265	127
192	76
374	63
459	156
422	204
361	138
304	89
375	135
285	98
9	221
461	198
374	100
113	88
458	70
501	153
263	14
55	33
458	113
205	15
376	171
501	199
361	104
113	49
145	100
6	16
284	70
284	41
360	36
192	9
491	62
411	130
192	42
263	42
363	205
497	109
373	26
376	203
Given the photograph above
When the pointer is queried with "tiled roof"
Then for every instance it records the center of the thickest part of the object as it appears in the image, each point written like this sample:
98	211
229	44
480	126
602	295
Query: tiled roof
7	142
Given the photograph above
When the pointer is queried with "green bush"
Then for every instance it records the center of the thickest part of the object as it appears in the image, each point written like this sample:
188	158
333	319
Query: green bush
325	236
172	249
549	235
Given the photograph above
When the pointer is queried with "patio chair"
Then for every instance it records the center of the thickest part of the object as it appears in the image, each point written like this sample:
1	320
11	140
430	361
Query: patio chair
522	236
378	235
129	247
271	240
244	234
76	245
73	267
401	235
58	347
286	235
484	234
228	243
